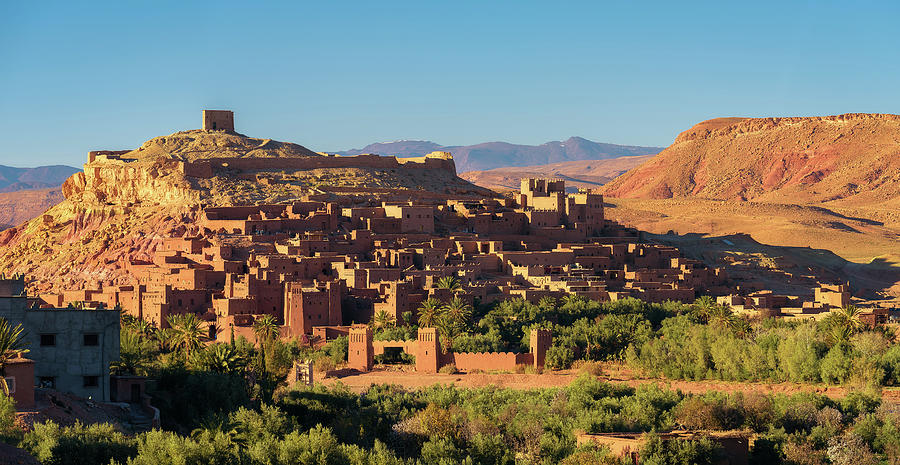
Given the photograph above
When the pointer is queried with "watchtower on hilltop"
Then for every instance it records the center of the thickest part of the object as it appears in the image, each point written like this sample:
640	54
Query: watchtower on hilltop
221	120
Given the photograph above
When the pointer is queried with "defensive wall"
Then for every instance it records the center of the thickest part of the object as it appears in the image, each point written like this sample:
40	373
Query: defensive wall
430	357
210	167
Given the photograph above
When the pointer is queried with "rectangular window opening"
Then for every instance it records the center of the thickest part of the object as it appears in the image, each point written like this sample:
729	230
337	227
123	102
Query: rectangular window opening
48	340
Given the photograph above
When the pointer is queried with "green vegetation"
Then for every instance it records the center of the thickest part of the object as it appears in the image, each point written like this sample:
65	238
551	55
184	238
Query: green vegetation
229	403
444	424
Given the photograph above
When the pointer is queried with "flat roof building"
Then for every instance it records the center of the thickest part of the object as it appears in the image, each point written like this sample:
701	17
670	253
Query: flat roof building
71	348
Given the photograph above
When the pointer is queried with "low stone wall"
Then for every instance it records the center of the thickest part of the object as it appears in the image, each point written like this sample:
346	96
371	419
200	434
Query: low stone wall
490	361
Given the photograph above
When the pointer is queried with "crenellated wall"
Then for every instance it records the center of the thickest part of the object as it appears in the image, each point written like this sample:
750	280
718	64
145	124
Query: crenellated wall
430	357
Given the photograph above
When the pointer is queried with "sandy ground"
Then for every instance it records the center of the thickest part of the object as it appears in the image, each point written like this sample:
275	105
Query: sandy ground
409	379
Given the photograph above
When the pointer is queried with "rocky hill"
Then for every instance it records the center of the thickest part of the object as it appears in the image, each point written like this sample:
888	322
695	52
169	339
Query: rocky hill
120	207
852	158
20	206
822	184
14	179
586	174
490	155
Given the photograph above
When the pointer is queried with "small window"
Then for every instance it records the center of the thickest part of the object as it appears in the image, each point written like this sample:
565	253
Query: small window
48	340
11	384
92	339
48	382
91	381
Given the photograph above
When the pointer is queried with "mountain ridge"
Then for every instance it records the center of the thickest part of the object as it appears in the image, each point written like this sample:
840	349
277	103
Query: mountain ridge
40	177
491	155
850	159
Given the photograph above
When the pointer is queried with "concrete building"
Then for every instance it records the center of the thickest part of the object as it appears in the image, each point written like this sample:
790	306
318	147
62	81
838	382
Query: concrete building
71	348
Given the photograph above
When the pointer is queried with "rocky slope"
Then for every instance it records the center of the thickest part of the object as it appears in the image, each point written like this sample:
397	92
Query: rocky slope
491	155
124	203
587	174
827	183
852	158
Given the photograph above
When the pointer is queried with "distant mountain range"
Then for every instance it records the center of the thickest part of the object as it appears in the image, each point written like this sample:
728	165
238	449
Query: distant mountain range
490	155
588	174
16	179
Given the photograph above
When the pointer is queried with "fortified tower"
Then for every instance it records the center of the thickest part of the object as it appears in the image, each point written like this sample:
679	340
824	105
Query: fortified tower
361	354
221	120
428	356
540	343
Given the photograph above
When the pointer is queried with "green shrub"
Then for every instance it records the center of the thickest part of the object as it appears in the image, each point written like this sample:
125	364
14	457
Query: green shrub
559	357
687	452
449	369
77	444
709	413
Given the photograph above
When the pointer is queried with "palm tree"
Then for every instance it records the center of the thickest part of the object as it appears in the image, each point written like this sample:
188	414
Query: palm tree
222	358
703	307
547	303
382	320
458	311
144	328
266	328
127	321
166	339
135	354
721	316
234	432
844	323
741	328
430	312
455	318
449	282
188	332
12	344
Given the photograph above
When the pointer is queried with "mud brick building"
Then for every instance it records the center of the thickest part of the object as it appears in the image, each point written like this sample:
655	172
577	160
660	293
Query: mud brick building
331	261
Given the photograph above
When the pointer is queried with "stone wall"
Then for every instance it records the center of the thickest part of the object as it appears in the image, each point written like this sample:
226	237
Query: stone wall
490	361
210	167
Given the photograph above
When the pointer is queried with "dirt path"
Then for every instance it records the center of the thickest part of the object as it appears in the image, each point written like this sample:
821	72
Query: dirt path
409	379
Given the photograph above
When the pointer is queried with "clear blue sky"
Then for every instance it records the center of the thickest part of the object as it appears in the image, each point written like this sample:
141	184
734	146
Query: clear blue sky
79	76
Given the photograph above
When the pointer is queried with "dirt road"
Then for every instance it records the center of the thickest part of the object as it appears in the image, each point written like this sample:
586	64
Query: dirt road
409	379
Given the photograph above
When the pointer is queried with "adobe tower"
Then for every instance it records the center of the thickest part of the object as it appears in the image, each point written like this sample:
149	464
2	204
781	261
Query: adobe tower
218	120
360	354
428	356
540	342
